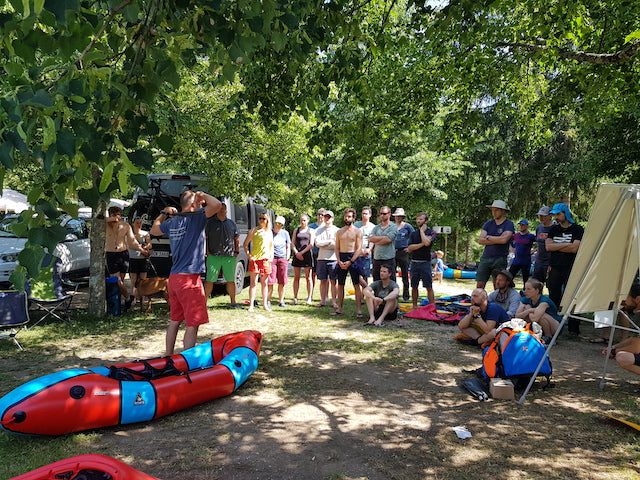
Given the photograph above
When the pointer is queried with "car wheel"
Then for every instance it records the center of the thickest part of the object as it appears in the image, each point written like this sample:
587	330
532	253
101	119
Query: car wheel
239	277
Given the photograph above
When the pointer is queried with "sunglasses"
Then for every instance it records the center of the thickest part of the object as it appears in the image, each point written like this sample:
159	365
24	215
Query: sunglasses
327	216
278	223
385	213
262	218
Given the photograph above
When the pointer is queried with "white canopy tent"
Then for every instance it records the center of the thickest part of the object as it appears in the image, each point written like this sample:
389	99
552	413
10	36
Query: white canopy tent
606	263
13	201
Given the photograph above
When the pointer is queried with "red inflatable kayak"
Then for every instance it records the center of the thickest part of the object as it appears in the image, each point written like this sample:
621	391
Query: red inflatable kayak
82	399
85	467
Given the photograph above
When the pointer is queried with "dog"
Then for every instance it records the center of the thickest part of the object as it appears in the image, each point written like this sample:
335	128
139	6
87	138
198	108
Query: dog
146	287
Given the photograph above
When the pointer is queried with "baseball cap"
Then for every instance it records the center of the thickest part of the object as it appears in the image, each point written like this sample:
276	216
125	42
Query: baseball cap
544	210
280	219
524	221
328	212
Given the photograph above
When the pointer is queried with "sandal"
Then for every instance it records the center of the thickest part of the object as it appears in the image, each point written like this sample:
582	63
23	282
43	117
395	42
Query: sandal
599	340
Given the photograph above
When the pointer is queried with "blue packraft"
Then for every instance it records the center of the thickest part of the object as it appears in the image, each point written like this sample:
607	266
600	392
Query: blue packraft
514	354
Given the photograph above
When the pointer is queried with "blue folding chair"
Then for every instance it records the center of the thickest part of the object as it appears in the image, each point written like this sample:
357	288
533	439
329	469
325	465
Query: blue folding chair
14	313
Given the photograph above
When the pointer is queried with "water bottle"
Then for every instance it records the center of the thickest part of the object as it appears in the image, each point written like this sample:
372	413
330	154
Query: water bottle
113	296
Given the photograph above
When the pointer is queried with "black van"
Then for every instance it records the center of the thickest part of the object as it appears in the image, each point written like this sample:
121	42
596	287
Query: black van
165	190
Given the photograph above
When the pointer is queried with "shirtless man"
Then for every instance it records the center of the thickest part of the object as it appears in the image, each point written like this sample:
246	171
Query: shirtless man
119	238
349	250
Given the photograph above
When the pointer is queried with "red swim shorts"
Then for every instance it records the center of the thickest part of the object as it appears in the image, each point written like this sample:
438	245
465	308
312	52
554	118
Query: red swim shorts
262	267
186	299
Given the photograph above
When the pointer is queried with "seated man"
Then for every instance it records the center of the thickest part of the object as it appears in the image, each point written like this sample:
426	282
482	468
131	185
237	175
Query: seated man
381	298
627	354
505	293
479	325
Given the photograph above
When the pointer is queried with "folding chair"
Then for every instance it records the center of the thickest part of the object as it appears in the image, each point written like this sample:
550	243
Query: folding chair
55	307
13	313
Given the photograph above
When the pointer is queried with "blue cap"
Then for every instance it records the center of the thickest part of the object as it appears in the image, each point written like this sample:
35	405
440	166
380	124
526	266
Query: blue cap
524	221
562	207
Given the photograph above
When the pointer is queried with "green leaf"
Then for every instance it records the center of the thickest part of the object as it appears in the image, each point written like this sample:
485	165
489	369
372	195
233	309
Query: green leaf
6	155
31	258
48	237
142	159
107	177
14	69
165	142
66	143
18	278
140	181
38	5
89	196
123	180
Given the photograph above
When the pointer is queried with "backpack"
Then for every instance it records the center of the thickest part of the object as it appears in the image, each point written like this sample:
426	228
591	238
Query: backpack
514	354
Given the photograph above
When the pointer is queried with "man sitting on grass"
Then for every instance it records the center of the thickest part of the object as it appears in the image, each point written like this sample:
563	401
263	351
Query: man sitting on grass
627	354
381	297
479	325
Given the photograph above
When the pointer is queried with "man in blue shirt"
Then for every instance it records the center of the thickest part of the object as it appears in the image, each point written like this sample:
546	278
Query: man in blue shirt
187	241
495	236
479	325
402	252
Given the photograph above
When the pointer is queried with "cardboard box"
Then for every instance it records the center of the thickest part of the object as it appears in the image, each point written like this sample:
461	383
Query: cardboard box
501	389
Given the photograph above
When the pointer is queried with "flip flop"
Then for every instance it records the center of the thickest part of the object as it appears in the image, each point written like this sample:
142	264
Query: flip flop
599	340
359	315
333	314
367	324
382	325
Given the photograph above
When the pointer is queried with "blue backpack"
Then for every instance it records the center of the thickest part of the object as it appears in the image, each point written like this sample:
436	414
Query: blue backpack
514	354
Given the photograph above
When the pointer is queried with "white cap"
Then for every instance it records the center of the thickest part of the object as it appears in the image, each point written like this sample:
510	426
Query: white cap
280	219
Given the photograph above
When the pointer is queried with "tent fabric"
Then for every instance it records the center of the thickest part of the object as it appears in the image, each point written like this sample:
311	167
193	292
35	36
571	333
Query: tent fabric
609	253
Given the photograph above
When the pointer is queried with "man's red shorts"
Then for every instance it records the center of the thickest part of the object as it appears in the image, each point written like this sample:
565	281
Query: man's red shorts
186	299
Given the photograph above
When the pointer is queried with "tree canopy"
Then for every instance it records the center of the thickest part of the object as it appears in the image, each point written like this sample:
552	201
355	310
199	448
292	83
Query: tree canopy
438	106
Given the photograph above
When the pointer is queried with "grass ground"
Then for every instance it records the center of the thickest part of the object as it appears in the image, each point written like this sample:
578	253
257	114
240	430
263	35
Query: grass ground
333	400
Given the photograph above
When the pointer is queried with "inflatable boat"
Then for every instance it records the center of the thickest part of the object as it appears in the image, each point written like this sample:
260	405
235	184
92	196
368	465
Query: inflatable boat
86	467
458	274
82	399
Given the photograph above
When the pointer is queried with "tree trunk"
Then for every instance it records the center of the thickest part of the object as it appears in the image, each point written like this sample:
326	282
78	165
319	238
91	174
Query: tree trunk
97	289
467	250
457	248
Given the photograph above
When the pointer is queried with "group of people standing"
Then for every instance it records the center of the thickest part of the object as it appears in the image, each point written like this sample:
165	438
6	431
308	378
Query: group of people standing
329	254
557	244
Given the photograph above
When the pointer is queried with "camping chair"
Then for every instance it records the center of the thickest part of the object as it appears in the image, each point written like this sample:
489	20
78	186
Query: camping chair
13	313
42	298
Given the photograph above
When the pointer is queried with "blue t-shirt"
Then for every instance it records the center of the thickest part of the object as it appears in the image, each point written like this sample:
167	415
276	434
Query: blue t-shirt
187	241
496	313
551	309
522	244
280	242
494	230
402	239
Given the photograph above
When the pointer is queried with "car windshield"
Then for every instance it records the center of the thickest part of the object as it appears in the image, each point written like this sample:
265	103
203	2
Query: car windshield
5	225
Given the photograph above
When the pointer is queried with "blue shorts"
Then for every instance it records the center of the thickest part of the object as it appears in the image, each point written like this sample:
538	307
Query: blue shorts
326	270
421	271
356	270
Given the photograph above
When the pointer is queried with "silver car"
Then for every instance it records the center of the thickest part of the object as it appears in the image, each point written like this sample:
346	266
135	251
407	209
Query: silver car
73	251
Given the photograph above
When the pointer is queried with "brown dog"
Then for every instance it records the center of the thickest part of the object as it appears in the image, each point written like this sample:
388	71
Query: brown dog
147	287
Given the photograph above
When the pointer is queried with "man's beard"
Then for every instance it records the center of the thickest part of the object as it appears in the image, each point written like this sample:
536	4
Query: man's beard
348	223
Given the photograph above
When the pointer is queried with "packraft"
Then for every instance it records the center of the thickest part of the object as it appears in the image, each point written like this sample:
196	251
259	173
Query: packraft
515	354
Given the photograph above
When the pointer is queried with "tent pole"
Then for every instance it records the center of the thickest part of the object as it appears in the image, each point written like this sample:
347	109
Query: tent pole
565	317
